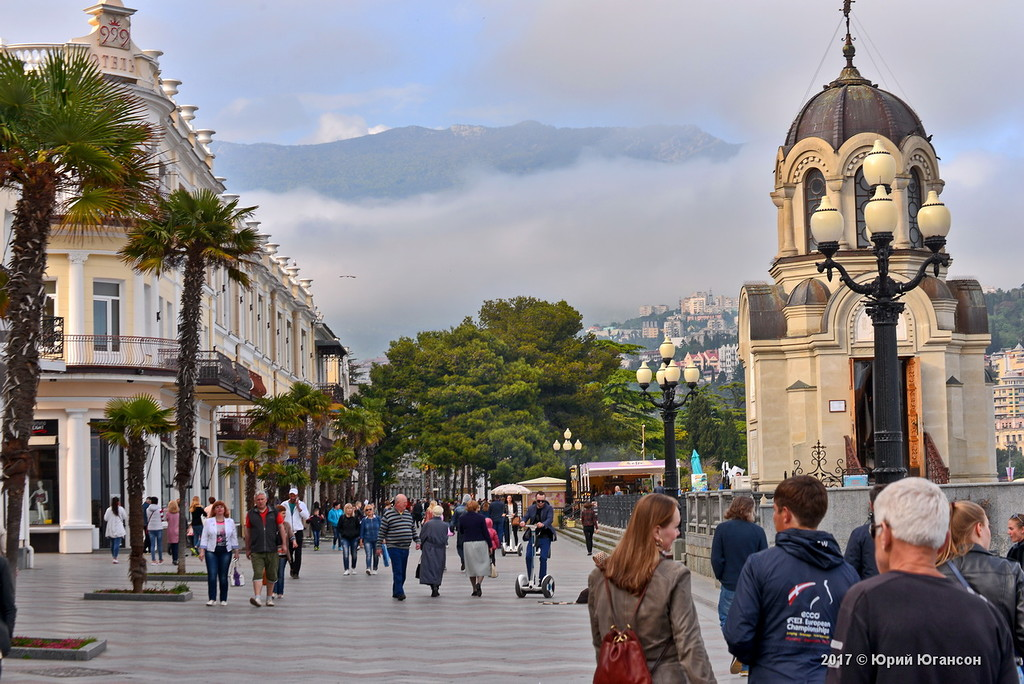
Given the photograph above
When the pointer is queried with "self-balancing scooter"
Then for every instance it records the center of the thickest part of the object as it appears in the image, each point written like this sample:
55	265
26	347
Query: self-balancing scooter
535	584
508	547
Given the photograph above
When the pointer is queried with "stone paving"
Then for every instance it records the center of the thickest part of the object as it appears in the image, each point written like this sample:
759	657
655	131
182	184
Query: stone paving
328	628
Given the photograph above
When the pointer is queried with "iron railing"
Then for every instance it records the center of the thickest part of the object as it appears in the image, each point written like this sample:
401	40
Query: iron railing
51	337
616	510
332	389
120	351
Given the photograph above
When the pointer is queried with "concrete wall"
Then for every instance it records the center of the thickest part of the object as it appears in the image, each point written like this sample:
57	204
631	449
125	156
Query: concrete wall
847	509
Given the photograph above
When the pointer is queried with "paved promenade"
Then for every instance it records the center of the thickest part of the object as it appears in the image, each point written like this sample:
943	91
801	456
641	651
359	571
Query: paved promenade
328	628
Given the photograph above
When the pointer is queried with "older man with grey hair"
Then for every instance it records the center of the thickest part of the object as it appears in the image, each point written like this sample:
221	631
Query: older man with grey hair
910	623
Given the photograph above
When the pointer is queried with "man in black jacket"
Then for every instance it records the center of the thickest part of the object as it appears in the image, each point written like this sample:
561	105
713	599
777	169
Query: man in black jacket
787	597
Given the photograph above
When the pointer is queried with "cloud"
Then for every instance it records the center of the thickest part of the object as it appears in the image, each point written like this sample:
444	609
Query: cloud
604	235
335	126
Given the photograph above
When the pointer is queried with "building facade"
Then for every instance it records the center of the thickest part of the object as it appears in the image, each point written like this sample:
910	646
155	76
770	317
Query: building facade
112	332
807	343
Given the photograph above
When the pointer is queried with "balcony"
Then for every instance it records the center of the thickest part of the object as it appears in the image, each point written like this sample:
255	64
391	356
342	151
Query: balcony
220	380
236	426
85	353
334	390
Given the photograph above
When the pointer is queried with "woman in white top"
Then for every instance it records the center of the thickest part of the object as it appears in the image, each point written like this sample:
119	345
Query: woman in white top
115	517
217	545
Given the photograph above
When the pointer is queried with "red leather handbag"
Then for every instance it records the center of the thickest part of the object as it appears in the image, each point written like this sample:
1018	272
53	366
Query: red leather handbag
621	659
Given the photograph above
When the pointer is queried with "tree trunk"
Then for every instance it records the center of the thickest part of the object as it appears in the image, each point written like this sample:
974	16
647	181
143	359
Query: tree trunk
185	406
136	524
30	234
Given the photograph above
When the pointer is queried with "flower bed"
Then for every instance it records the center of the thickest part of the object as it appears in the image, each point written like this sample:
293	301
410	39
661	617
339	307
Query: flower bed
178	593
41	648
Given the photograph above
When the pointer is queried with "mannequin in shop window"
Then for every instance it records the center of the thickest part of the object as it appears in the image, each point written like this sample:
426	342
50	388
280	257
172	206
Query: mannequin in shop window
40	497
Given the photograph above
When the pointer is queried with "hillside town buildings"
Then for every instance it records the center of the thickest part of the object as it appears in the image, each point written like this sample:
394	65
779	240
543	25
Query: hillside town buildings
112	331
1008	397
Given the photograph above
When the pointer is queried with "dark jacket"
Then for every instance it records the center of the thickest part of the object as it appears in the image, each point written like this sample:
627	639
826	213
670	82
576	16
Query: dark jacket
8	611
734	542
786	607
262	532
473	527
496	512
546	516
1016	553
860	552
348	527
1000	581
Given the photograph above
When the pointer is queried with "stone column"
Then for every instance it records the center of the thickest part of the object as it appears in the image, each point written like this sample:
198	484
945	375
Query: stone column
76	486
76	304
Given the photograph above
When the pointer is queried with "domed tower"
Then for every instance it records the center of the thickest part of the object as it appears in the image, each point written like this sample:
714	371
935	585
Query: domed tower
806	340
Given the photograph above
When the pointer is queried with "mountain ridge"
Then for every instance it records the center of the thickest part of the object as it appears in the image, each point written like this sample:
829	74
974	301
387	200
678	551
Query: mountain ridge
412	160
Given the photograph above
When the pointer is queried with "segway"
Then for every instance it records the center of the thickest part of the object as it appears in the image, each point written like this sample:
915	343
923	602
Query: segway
507	546
535	584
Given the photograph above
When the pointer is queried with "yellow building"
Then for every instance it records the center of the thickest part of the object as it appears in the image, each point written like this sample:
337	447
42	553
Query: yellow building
112	332
807	343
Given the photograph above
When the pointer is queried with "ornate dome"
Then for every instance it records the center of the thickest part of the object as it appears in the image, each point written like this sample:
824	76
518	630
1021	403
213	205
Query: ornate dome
850	105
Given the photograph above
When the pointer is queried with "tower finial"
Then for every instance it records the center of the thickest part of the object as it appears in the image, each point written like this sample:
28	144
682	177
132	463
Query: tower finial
848	49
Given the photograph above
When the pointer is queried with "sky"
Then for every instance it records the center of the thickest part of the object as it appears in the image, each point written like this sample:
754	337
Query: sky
604	236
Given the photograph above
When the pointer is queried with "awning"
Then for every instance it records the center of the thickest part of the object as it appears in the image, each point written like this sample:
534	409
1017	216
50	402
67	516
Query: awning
602	468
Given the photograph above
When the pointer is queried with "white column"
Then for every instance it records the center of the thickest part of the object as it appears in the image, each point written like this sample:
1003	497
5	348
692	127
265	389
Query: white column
76	525
76	303
139	322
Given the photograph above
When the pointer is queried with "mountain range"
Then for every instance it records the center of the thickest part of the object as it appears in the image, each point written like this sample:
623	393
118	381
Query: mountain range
402	162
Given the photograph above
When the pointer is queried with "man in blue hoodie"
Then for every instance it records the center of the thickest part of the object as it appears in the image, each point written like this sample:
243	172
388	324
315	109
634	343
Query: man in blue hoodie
787	597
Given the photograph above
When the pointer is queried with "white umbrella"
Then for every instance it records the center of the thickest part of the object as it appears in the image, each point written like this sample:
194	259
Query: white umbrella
513	489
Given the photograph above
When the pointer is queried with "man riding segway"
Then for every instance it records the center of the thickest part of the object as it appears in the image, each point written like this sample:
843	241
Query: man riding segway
541	517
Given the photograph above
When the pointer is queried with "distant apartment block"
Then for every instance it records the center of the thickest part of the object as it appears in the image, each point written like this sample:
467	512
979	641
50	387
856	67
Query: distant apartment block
1008	397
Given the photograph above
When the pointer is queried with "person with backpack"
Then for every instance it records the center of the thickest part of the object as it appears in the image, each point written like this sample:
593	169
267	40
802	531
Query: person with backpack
155	528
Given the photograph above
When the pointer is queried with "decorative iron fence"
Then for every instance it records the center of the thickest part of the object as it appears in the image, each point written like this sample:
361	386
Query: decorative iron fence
820	469
615	511
332	389
51	337
120	351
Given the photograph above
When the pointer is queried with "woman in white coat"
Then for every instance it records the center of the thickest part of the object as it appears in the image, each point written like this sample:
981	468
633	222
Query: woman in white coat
115	517
218	544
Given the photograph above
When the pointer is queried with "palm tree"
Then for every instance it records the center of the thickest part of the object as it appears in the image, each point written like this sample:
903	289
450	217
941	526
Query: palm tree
129	423
194	231
276	417
336	466
249	455
73	148
363	429
315	411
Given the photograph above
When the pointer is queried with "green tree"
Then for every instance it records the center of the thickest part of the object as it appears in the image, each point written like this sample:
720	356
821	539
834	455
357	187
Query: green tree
314	408
192	231
73	147
248	456
276	417
129	422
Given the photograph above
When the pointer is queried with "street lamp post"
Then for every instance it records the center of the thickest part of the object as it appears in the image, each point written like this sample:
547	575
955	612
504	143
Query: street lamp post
883	293
567	446
667	378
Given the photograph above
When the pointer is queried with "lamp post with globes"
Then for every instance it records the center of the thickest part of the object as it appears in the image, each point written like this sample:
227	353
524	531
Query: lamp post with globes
883	293
667	378
568	447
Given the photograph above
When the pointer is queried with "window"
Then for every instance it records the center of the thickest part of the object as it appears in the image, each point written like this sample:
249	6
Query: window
106	315
814	190
913	205
862	193
50	291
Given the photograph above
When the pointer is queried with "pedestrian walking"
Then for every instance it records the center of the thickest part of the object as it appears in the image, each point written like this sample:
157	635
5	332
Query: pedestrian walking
947	632
476	542
116	519
265	539
497	513
433	544
155	528
736	539
588	519
966	554
803	575
332	520
284	557
369	530
641	587
860	549
173	521
197	515
457	514
348	531
218	545
512	513
398	532
8	610
296	513
316	525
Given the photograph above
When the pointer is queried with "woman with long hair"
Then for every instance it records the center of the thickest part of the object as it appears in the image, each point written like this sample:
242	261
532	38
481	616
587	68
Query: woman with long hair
218	543
641	586
512	513
116	519
1015	531
999	580
197	514
348	531
736	538
173	531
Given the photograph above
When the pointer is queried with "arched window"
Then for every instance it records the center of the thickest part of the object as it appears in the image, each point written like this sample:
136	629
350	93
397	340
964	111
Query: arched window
814	190
862	193
913	205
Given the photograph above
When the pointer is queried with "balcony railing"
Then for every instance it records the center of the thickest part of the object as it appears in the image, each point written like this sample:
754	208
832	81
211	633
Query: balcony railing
217	370
51	337
120	351
236	426
332	389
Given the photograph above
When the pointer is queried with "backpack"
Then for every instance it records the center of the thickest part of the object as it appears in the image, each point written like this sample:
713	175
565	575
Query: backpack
621	659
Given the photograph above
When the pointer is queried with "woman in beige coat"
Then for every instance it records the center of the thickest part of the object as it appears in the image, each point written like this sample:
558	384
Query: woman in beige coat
665	621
